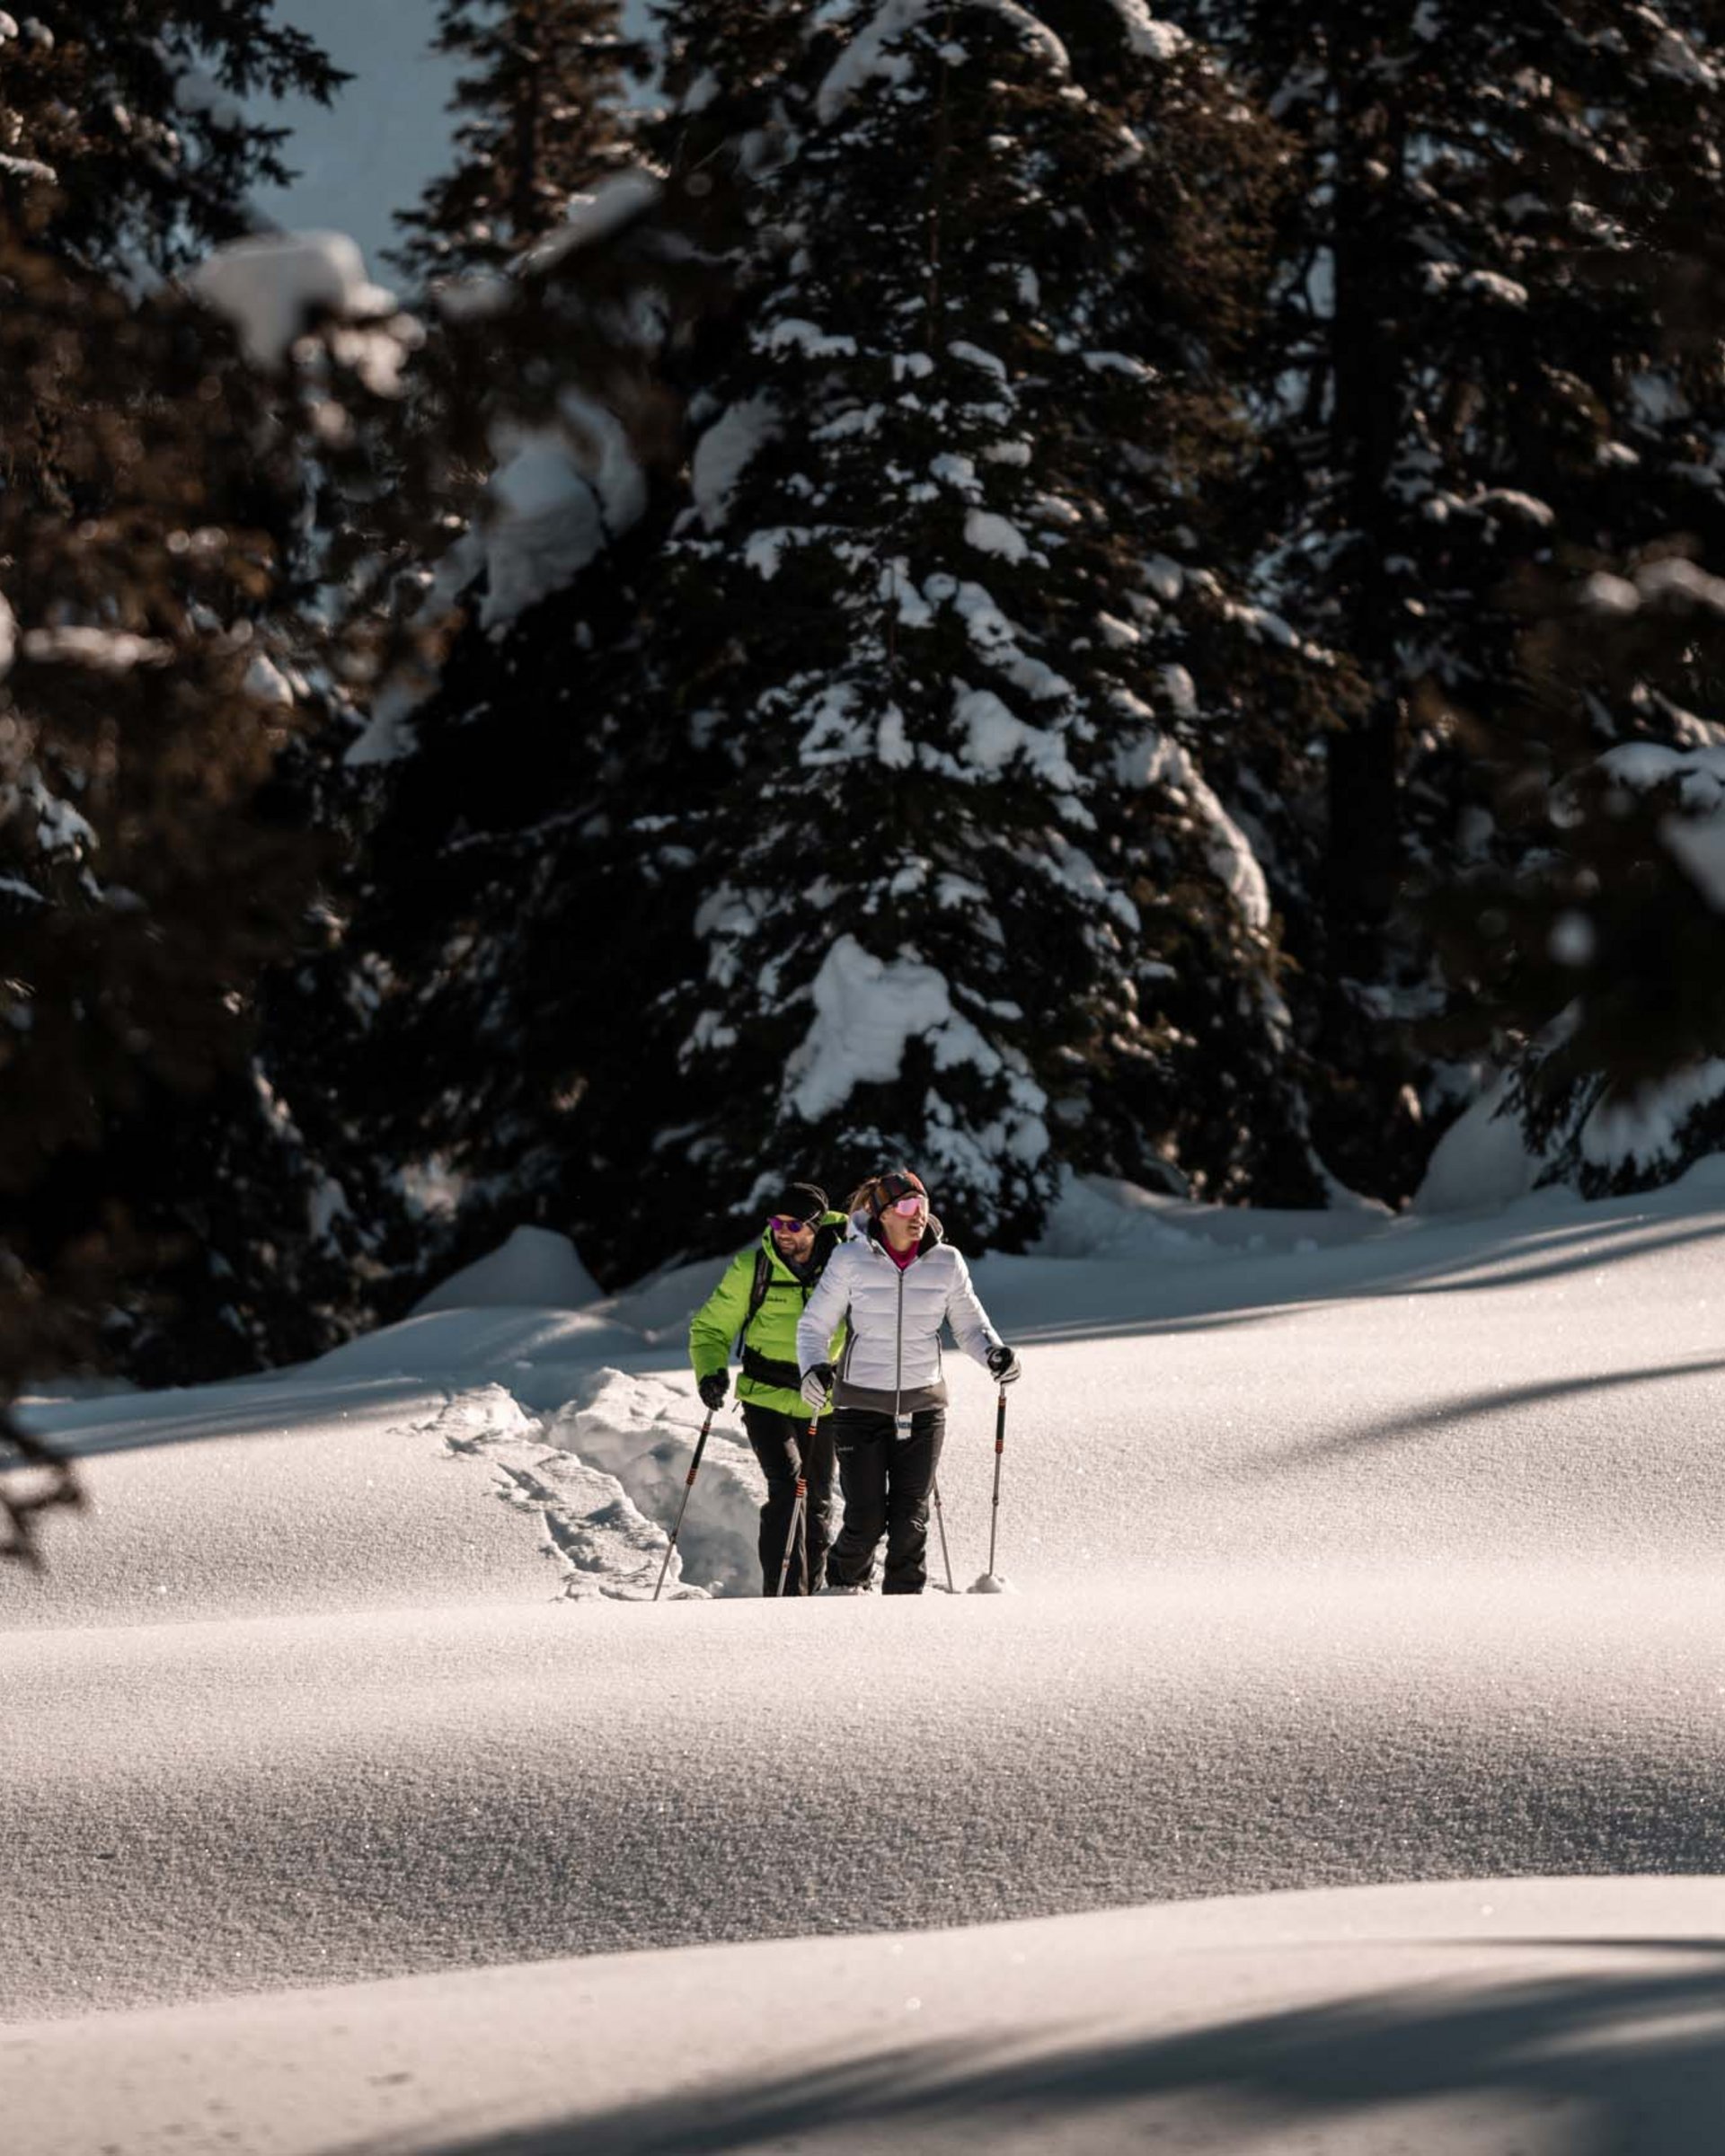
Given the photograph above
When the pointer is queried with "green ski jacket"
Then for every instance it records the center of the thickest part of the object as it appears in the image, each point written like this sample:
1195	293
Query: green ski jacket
769	1377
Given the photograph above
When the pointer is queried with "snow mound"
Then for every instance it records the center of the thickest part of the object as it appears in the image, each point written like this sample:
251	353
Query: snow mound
535	1270
1480	1162
1097	1215
642	1431
1101	1216
660	1306
487	1415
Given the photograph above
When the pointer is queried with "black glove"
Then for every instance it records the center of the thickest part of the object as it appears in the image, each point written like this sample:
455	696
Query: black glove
1003	1366
711	1388
817	1384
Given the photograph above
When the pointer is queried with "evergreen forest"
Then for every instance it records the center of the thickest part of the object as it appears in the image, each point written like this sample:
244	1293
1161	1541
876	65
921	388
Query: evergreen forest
1036	588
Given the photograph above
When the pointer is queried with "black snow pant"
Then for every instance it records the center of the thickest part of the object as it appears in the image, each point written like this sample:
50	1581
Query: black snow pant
778	1441
887	1481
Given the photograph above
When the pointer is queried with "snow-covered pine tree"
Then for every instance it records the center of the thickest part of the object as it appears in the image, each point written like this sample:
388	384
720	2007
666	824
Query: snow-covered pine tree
143	868
1452	397
164	593
182	498
1592	965
731	73
525	887
128	142
927	603
488	997
540	108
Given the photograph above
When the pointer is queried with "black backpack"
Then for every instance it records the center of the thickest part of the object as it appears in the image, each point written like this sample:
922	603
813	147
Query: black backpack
757	1295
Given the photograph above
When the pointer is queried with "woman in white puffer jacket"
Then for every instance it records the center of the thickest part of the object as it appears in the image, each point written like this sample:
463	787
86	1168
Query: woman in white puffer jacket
895	1283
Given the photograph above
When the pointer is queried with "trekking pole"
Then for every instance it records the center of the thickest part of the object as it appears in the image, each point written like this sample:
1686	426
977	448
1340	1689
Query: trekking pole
1000	1446
800	1506
991	1583
940	1521
688	1484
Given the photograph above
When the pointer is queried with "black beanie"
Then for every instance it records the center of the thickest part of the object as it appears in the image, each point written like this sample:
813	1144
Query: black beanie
798	1201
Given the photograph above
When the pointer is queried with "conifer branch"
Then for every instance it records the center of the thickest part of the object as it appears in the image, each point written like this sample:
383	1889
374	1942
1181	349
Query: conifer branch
19	1511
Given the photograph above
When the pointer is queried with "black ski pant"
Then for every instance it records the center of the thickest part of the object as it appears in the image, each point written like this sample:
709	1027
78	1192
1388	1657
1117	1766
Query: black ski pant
887	1479
778	1441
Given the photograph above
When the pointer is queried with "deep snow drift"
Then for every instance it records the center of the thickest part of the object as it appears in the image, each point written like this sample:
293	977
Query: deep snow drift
1346	1552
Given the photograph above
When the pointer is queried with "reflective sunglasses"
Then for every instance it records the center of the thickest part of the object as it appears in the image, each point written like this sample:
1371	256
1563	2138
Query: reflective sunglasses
787	1223
913	1204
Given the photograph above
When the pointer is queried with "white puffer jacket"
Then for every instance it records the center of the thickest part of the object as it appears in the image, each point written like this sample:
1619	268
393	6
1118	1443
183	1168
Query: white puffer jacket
892	1353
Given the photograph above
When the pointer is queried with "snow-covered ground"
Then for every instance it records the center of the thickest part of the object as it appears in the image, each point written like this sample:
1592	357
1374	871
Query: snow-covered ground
1369	1633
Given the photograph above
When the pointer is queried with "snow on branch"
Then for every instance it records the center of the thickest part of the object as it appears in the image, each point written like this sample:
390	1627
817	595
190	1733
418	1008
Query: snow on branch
867	1013
872	53
54	1481
592	218
274	286
1154	41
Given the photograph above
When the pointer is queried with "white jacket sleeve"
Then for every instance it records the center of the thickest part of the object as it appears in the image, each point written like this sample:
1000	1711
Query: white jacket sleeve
967	1317
824	1309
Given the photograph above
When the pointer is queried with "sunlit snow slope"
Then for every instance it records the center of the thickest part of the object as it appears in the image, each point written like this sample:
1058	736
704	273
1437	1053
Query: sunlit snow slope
1383	1553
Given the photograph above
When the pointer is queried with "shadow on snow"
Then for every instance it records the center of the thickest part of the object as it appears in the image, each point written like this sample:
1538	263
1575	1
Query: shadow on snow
1633	2063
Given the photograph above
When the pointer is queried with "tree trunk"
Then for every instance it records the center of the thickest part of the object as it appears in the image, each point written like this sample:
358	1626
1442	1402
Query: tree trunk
1367	1129
524	207
1364	863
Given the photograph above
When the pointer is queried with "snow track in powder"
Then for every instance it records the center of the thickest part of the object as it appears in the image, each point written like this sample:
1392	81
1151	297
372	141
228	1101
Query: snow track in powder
604	1476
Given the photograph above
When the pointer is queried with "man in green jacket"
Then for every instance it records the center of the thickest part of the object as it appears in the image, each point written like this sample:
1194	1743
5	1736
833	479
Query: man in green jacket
757	1306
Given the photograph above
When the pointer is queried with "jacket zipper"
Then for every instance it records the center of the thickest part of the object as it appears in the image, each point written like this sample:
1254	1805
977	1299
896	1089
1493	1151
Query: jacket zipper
900	1420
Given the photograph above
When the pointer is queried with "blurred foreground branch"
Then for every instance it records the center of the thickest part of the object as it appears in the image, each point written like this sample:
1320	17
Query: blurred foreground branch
48	1481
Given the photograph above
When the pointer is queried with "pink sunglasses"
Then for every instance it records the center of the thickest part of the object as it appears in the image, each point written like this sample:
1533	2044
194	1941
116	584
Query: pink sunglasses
912	1204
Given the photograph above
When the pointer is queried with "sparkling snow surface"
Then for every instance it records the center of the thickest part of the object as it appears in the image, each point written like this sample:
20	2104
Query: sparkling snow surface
1344	1554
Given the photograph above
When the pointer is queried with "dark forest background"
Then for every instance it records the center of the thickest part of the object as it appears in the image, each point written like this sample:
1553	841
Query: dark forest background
1032	587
